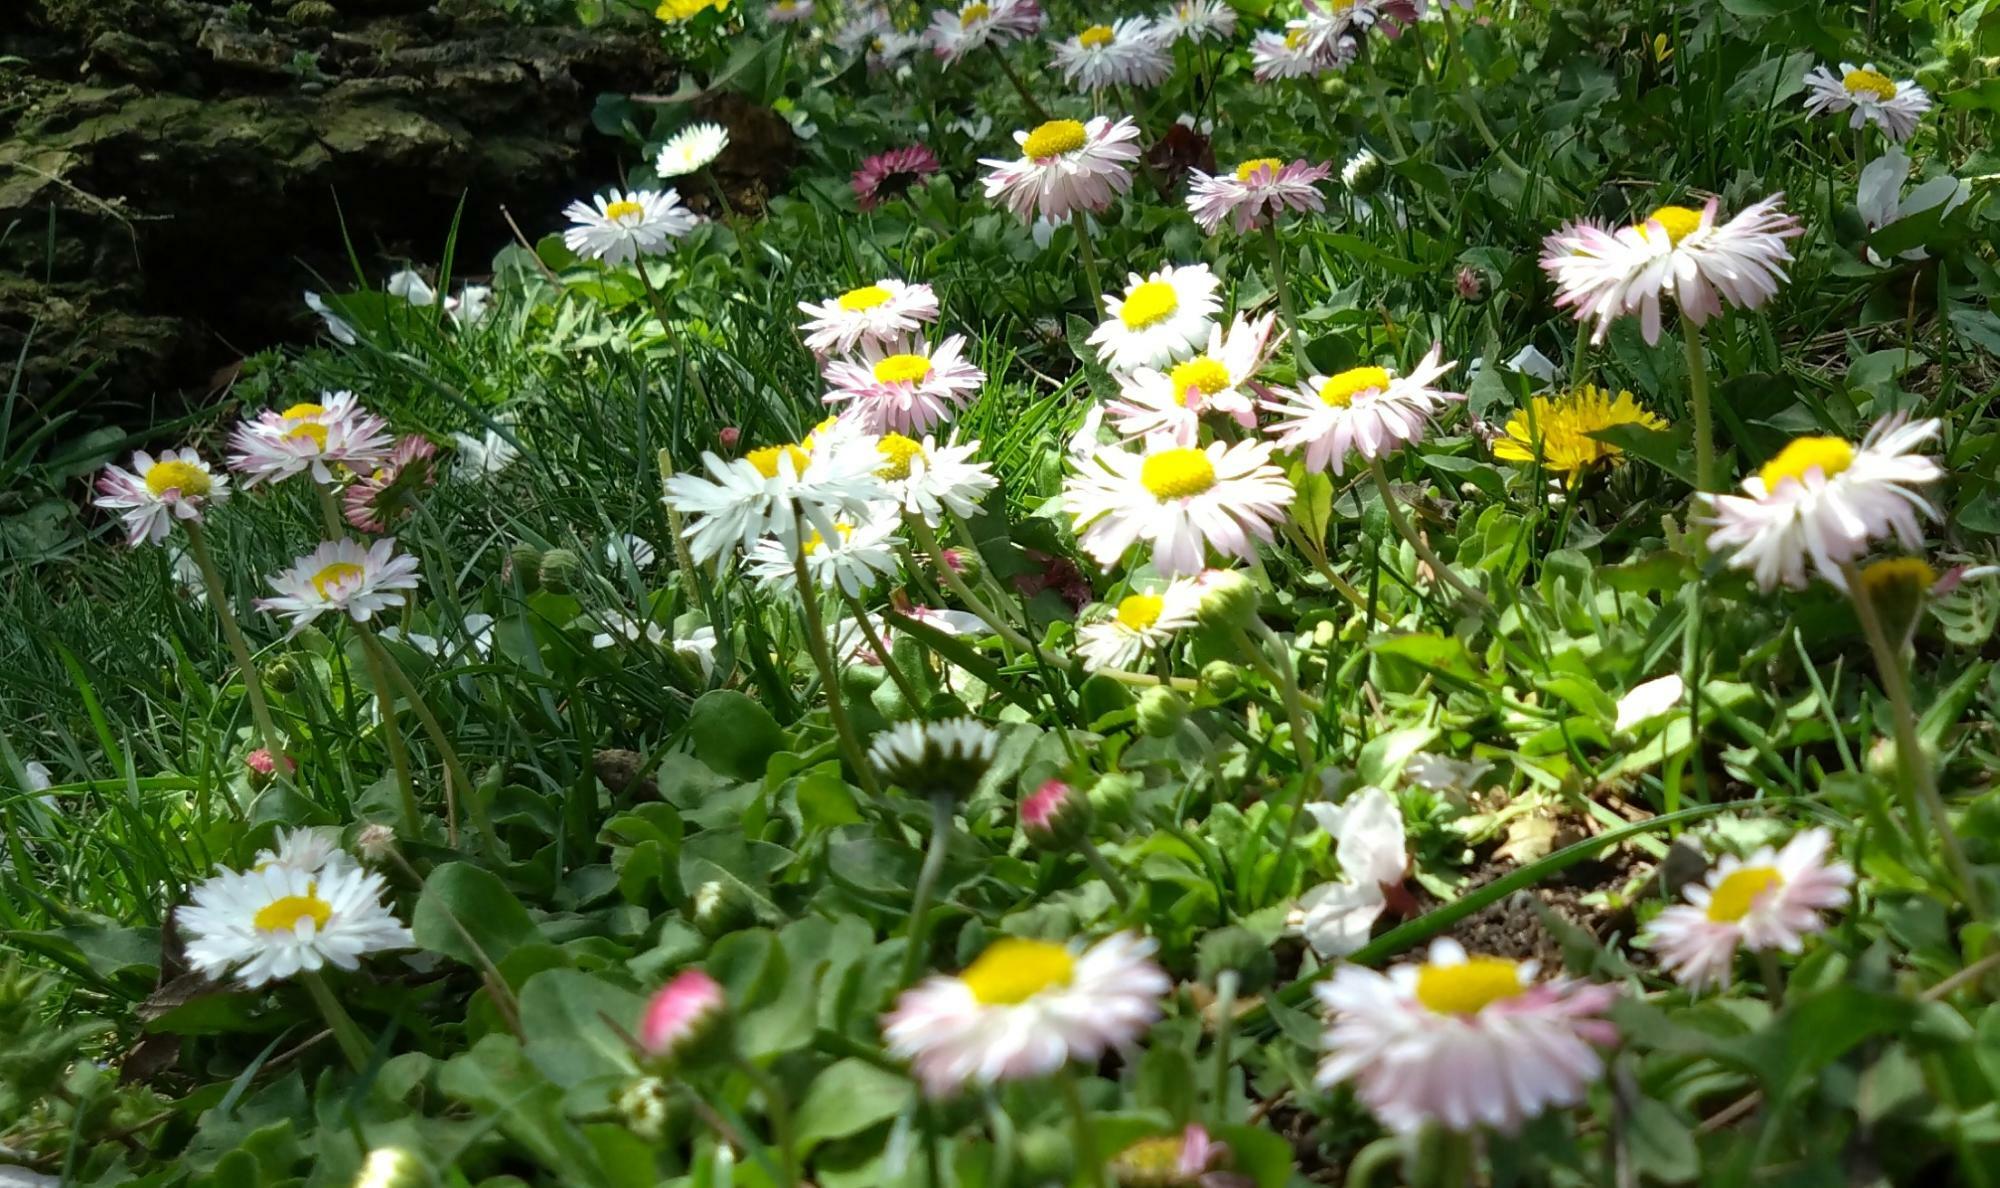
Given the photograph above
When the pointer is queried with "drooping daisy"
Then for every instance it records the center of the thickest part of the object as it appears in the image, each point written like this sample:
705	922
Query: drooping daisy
946	758
1770	900
887	175
1462	1042
1328	26
1366	410
1674	252
1872	96
1130	52
852	560
1372	849
622	226
1026	1008
178	485
389	493
343	578
1291	55
903	387
1880	200
1556	430
1179	500
1162	317
1170	402
695	146
769	491
1199	20
788	12
927	480
1119	636
622	629
885	311
978	23
890	48
273	922
1065	166
1255	193
309	436
1823	500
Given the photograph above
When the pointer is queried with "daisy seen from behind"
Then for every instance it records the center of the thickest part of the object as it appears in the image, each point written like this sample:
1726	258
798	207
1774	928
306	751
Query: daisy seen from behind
903	385
928	480
1161	317
695	146
1372	848
879	313
1369	411
1180	501
177	485
1065	167
1555	431
1199	20
1129	52
1769	900
888	175
624	225
1119	635
312	436
1220	379
276	921
954	33
1870	96
341	577
1255	193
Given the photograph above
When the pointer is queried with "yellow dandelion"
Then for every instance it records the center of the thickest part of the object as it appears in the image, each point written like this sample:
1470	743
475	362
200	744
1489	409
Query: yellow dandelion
1564	424
673	12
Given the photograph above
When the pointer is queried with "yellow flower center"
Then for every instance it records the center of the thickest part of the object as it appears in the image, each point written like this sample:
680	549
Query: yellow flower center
1293	38
1202	373
1012	971
1469	987
1678	221
1095	37
620	211
1053	139
187	478
1340	390
1912	573
1869	82
337	574
310	431
897	453
902	369
1799	458
864	298
1251	166
1152	302
299	412
766	459
1177	473
283	915
814	541
970	13
1140	611
1737	893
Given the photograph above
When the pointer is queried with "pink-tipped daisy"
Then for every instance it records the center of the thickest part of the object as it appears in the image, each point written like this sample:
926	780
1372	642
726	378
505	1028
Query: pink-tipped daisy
880	313
1199	20
1872	96
1369	411
1170	402
978	23
887	175
1770	900
389	493
310	436
1180	501
1160	318
1291	55
681	1015
1065	166
903	387
789	12
178	485
1255	193
341	577
1129	52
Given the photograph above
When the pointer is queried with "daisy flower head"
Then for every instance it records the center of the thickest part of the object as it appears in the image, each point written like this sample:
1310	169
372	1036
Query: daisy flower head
1130	52
1181	501
1556	430
1329	25
946	758
1291	54
623	225
928	480
673	12
1170	401
177	485
1770	900
1462	1041
863	24
682	1017
851	560
309	849
1364	410
877	313
1676	252
769	491
1065	166
697	145
1823	499
890	47
1199	20
309	436
389	493
789	12
954	33
888	175
1161	317
622	629
1120	635
1025	1008
1255	193
276	921
341	577
905	386
1870	95
1188	1159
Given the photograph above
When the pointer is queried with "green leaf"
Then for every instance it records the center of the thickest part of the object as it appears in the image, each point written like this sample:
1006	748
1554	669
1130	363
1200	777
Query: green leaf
849	1097
1441	654
1661	447
464	911
733	734
576	1024
1662	1143
1812	1034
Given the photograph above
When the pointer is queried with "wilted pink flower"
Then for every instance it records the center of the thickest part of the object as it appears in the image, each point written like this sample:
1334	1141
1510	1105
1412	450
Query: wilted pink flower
887	175
261	762
1470	285
380	500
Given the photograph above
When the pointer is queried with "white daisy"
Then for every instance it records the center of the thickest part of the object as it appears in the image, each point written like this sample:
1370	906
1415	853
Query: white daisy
1770	900
312	436
1131	52
1649	700
1065	166
693	147
178	485
1879	199
342	577
1199	20
1674	252
863	24
928	480
307	849
1291	55
1171	402
1255	193
1366	410
272	923
338	328
903	386
1179	500
978	23
852	559
787	12
1823	500
484	456
1161	317
889	48
622	226
1873	97
1120	636
1326	28
1370	845
888	310
1462	1042
935	758
1026	1008
770	490
639	549
621	628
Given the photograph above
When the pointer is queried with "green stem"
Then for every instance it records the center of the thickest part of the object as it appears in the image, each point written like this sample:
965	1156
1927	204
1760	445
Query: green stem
1402	525
677	528
778	1108
1774	977
253	683
1444	1159
1093	297
1094	857
392	736
455	774
658	303
1020	88
345	1032
927	540
920	901
1089	1162
911	696
329	511
1704	430
1225	1027
829	675
1279	280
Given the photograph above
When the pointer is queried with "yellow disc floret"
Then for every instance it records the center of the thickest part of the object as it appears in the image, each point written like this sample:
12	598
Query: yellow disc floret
1737	893
1869	82
1152	302
187	478
1468	987
621	211
338	574
1140	611
1012	971
897	453
903	369
1802	456
1095	37
865	298
766	459
283	915
972	12
1201	373
1053	139
1251	166
1177	473
1677	221
302	411
1339	391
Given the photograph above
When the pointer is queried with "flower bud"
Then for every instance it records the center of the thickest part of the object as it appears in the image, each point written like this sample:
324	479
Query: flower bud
720	908
642	1106
1241	950
686	1022
1335	88
263	765
1221	680
1055	816
524	563
1364	173
1896	589
375	842
1470	285
1161	712
559	570
1225	600
962	562
391	1167
728	438
946	758
1112	795
1959	55
283	676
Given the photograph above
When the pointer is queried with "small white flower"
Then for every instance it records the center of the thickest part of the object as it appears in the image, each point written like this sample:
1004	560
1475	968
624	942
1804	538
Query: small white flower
977	23
1649	700
409	285
1291	54
621	628
338	328
309	849
1872	97
887	311
1119	636
928	480
1065	166
1129	52
311	436
1364	410
852	559
1160	318
1879	198
343	578
483	456
1255	193
770	491
697	647
178	485
622	226
1336	918
694	146
271	923
1220	379
1181	501
1199	20
903	386
637	548
1770	900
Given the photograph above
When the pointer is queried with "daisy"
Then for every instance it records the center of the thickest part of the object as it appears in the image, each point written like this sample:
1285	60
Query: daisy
1160	318
1871	95
1255	193
389	493
1880	201
695	146
1120	636
928	480
484	456
1556	430
1365	410
1199	20
1462	1042
1291	55
887	175
681	1015
978	23
863	24
1131	52
621	628
307	849
1770	900
770	490
1327	26
1373	851
935	758
877	313
851	560
903	387
178	485
1674	252
1189	1159
1181	501
788	12
1649	700
1026	1008
337	328
890	48
1171	402
1065	166
623	226
270	923
311	436
342	577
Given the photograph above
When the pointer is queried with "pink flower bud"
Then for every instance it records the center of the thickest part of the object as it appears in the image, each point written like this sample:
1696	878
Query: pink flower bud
682	1014
1055	815
729	435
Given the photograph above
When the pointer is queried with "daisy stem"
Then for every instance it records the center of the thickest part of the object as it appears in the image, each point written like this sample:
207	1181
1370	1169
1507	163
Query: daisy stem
329	511
1424	553
1704	430
653	298
1275	248
1020	88
253	682
911	697
1094	287
1087	1158
954	583
453	766
1094	858
778	1108
829	676
392	736
345	1032
1774	977
1443	1159
1225	1024
920	901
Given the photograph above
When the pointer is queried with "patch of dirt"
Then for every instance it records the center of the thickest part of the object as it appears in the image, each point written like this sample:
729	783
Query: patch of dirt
1515	929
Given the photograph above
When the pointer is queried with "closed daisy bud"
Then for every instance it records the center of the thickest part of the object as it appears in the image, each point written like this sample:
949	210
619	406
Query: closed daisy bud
935	758
1225	600
282	676
1239	951
375	842
720	908
1364	173
642	1106
524	564
1055	816
1161	712
559	570
1221	680
1112	795
686	1022
1896	589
